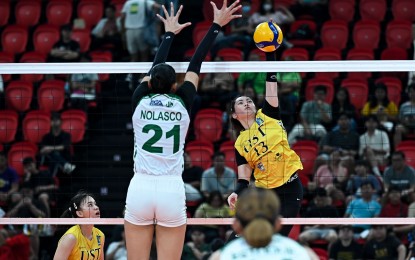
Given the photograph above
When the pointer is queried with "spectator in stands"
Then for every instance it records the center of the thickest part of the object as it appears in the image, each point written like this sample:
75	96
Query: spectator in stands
345	248
364	207
192	175
219	177
374	145
55	147
83	87
24	205
320	209
342	105
400	174
252	80
393	207
9	180
361	174
380	105
116	249
66	49
41	182
241	31
313	114
14	244
108	30
197	247
406	118
383	245
214	207
133	21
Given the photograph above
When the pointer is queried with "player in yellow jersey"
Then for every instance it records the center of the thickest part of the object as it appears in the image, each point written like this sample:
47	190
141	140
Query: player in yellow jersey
81	242
262	148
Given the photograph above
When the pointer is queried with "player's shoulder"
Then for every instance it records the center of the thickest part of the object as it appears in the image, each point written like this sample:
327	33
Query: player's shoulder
288	243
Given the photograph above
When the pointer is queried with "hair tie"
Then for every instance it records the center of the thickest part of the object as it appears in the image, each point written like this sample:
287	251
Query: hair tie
74	205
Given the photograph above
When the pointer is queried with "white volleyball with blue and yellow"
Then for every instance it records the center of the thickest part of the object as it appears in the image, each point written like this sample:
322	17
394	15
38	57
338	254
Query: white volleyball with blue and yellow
268	36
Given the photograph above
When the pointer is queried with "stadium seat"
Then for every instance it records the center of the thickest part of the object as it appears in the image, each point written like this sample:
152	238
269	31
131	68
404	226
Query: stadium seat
36	124
341	10
405	144
366	35
6	58
74	122
59	12
394	53
82	36
409	152
4	12
201	153
51	95
358	91
373	10
9	121
404	10
189	53
207	9
101	56
399	34
91	12
307	151
14	39
297	54
303	43
360	54
19	95
27	12
334	33
229	150
230	54
208	125
314	82
44	37
327	54
32	57
19	151
199	31
394	88
321	253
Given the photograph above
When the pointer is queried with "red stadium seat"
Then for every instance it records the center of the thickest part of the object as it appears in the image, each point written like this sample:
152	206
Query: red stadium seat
6	58
307	151
366	35
321	253
19	95
59	12
358	91
373	10
32	57
394	88
403	10
409	154
18	152
399	34
51	95
230	54
35	125
201	153
27	12
228	149
101	56
394	53
199	31
90	11
73	122
303	43
44	37
14	39
341	10
405	144
208	125
207	8
9	121
334	34
4	12
314	82
82	36
327	54
360	54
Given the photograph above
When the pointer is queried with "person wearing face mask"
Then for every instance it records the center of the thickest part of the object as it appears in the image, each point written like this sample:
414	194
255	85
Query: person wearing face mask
267	11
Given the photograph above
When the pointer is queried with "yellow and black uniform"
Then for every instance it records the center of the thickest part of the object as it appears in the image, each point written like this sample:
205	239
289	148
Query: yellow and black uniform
265	148
85	249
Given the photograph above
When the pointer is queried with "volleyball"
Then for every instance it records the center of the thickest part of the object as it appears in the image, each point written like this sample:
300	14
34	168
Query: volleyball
268	36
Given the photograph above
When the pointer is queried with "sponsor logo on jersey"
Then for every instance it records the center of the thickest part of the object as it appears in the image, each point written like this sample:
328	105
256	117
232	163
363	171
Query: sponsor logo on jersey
99	240
259	121
156	103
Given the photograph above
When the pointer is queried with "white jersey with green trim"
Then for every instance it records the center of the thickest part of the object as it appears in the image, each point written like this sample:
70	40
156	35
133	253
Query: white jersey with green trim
160	123
280	248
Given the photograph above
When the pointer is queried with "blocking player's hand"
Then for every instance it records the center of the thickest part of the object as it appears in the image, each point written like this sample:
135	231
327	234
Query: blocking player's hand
171	22
232	200
226	14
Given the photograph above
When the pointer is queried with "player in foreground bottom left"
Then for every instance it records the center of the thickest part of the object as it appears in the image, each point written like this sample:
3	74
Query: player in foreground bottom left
81	241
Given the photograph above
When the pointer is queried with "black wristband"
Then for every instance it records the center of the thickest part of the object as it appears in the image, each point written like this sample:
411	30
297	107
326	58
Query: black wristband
241	185
163	51
271	76
203	48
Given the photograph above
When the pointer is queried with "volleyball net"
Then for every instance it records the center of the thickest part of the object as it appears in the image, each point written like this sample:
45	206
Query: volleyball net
94	104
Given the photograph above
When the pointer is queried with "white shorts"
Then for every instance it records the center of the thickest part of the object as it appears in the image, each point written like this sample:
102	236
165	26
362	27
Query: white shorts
157	200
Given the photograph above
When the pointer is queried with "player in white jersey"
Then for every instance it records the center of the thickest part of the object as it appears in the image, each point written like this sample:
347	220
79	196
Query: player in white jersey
156	197
257	219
